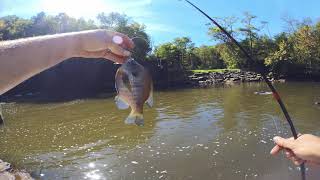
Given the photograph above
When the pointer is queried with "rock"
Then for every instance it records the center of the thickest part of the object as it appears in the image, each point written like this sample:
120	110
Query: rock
228	77
4	166
192	76
263	93
6	173
21	175
202	78
219	80
6	176
253	80
235	79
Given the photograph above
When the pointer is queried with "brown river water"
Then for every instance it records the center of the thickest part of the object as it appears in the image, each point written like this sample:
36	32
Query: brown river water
214	133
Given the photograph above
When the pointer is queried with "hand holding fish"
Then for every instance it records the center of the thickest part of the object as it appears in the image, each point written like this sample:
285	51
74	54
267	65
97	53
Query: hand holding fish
304	149
22	58
105	44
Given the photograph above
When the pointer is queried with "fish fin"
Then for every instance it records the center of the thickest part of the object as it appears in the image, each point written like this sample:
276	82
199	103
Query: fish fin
115	86
115	82
135	118
120	103
150	98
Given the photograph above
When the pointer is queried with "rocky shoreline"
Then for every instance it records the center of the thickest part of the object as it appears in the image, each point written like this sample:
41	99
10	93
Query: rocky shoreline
227	77
9	173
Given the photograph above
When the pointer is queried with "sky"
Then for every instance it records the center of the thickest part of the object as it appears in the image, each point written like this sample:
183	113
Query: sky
168	19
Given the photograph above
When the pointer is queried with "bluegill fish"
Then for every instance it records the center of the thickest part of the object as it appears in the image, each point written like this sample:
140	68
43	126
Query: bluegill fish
134	87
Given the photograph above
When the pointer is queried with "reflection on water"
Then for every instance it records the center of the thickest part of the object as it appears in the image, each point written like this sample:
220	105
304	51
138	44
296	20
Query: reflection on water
216	133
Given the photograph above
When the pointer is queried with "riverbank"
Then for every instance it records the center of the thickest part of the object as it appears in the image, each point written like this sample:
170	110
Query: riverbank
9	173
162	81
204	79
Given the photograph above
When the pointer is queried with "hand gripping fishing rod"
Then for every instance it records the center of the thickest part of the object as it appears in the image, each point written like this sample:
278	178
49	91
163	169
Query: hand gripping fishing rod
274	91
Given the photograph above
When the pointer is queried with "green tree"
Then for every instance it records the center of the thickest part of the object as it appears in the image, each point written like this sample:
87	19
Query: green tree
13	27
306	47
168	52
185	46
209	57
281	59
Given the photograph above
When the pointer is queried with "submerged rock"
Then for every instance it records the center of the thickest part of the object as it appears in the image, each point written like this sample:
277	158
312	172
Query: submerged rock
263	93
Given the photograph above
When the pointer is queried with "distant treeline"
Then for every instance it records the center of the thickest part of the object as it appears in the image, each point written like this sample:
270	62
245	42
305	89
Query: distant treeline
14	27
294	52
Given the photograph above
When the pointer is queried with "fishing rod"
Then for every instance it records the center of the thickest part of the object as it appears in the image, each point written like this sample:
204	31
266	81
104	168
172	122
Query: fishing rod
263	74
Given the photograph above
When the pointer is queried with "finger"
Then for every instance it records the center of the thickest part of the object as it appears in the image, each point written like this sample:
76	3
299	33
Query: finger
103	54
127	43
286	143
118	50
275	150
298	162
114	58
93	54
289	152
312	163
291	138
295	158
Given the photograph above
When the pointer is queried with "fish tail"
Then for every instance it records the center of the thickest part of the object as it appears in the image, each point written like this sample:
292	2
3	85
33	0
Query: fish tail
135	118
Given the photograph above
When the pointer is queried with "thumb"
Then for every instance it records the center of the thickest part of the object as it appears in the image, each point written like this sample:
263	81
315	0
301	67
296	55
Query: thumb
286	143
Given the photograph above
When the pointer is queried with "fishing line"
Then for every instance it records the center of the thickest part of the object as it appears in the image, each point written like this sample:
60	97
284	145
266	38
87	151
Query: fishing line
263	74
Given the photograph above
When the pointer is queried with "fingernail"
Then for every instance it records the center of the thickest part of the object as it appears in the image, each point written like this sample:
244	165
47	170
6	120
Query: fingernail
117	39
276	138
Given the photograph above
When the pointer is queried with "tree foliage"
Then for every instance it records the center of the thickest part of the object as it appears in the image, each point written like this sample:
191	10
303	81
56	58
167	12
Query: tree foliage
295	51
13	27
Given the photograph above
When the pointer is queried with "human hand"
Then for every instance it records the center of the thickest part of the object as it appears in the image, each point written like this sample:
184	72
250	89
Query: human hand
304	149
101	44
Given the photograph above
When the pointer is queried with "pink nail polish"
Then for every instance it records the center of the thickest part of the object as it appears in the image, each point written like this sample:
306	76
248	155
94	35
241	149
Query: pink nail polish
117	39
